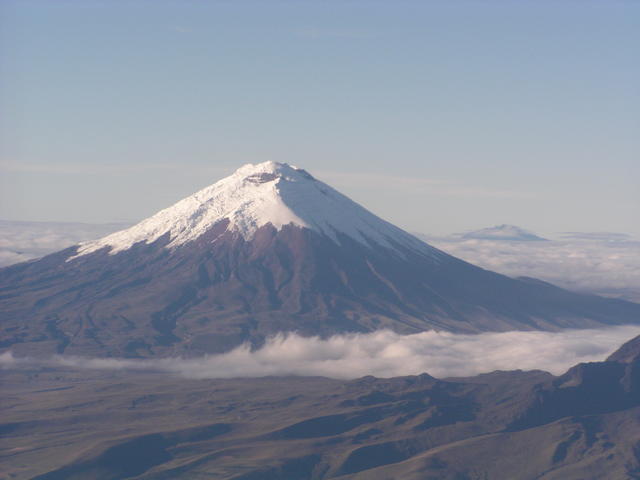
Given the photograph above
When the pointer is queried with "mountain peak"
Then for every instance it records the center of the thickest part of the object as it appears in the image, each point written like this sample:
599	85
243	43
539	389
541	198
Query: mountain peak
256	195
271	168
502	232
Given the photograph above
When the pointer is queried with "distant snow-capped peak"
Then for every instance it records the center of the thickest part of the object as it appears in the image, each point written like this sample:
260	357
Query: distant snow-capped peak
502	232
256	195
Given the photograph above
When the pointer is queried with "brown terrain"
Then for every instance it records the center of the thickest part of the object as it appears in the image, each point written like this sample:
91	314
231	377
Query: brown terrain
77	424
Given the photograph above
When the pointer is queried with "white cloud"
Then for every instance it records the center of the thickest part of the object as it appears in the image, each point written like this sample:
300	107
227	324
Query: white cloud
603	264
20	241
382	354
603	236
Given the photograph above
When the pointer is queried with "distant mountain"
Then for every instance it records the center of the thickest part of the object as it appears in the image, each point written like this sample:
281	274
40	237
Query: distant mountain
266	250
502	232
583	425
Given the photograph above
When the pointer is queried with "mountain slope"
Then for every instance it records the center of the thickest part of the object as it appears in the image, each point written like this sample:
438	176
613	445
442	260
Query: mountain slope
627	353
268	249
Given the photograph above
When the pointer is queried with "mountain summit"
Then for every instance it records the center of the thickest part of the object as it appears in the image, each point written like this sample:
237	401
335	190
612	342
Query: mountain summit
269	193
503	232
268	249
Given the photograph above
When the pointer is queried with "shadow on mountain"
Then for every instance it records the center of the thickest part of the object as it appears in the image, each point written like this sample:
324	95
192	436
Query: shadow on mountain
135	456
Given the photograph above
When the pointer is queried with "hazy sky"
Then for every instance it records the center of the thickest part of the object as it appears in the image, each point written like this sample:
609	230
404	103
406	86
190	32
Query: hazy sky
438	116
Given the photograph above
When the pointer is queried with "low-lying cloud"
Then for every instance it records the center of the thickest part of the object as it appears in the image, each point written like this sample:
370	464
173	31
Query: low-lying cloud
21	241
604	264
381	353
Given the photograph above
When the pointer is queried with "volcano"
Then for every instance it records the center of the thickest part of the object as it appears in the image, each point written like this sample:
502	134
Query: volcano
268	249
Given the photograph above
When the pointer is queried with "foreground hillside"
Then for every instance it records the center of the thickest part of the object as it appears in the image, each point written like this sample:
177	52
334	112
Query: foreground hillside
584	424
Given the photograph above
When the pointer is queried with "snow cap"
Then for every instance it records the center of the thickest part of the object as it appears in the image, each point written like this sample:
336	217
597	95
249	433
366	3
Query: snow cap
256	195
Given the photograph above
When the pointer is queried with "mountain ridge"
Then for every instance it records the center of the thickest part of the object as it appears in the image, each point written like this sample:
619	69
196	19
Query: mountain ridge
521	425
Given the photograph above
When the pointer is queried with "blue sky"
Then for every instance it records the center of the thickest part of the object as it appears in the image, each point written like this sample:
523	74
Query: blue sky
438	116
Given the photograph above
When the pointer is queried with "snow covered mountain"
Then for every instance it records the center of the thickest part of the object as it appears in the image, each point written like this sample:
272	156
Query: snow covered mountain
269	193
269	249
502	232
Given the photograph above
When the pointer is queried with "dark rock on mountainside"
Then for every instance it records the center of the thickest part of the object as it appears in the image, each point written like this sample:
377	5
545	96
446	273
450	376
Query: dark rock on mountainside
583	425
267	250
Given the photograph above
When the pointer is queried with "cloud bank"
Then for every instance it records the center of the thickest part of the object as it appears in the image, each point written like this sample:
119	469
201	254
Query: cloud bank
381	353
21	241
604	264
